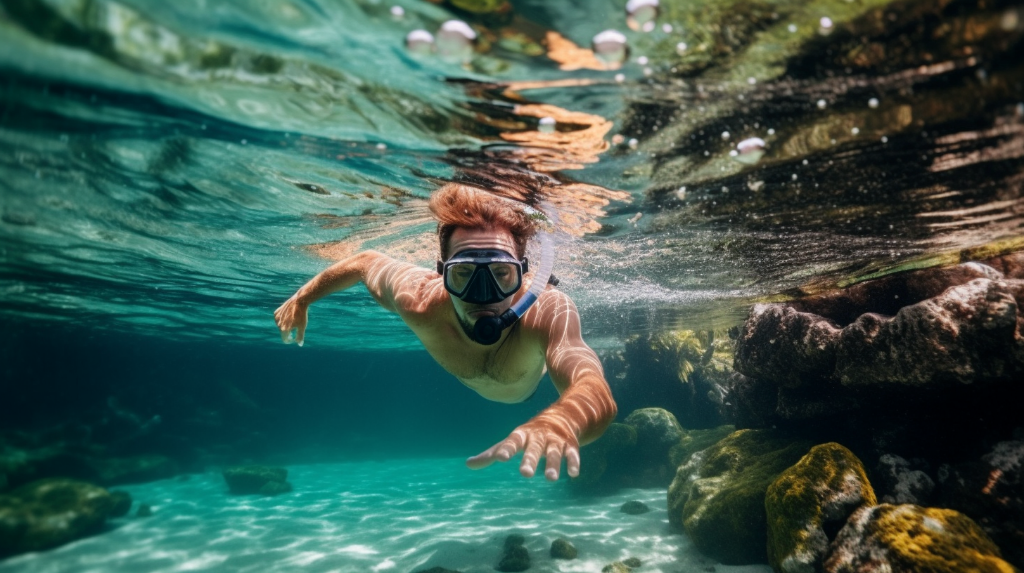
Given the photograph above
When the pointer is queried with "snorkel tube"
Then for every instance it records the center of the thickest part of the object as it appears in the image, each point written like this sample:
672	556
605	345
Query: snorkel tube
488	329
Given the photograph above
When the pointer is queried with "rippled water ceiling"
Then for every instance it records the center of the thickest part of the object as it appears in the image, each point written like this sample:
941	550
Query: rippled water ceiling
179	168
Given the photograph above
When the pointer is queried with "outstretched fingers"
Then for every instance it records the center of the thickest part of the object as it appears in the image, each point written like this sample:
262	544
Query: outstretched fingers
572	461
553	462
500	452
531	456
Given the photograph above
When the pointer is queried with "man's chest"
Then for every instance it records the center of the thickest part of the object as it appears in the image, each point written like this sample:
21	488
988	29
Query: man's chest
508	372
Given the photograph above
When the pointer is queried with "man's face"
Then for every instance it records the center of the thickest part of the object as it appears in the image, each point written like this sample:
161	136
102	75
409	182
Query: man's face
491	238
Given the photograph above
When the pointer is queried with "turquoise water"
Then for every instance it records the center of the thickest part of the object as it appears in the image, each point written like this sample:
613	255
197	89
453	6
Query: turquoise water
170	172
404	515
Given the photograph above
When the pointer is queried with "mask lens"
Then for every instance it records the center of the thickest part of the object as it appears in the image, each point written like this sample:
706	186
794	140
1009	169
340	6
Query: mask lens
506	276
458	276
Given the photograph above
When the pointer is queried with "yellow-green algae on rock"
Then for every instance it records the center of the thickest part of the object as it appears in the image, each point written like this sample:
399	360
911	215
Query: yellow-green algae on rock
825	486
719	495
912	539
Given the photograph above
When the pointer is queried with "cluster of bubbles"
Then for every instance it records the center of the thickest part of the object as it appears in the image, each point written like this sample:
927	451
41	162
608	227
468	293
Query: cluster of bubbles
453	41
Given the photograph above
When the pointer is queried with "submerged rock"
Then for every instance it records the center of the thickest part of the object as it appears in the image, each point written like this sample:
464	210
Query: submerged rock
616	567
563	549
51	512
913	538
610	451
883	364
694	441
901	483
991	491
657	430
810	499
634	507
719	496
515	558
257	479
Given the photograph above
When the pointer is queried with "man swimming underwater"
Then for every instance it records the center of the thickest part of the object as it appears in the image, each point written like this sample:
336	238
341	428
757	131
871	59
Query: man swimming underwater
483	242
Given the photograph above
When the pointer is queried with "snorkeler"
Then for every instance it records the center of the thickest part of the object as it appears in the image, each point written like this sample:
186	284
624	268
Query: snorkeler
476	320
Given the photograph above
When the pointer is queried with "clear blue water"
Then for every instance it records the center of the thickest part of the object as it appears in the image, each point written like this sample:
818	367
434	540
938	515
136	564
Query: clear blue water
403	515
170	172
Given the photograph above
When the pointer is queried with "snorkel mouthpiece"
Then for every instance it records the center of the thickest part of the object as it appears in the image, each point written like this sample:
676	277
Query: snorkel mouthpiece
488	329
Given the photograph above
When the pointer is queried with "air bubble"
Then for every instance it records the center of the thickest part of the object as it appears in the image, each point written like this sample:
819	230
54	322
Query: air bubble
382	146
640	14
419	42
455	40
620	78
825	26
751	81
725	136
546	125
681	48
822	104
610	46
855	130
1010	20
771	131
642	60
667	28
791	28
750	151
681	193
633	143
873	103
397	12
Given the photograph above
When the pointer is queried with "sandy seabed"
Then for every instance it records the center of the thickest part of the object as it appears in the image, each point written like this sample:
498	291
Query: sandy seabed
398	516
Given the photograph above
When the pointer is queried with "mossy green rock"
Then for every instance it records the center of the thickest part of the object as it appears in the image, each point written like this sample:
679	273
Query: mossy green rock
694	441
718	497
910	538
563	549
823	488
657	430
50	512
596	457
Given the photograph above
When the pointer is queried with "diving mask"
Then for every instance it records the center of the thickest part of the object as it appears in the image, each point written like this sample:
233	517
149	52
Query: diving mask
483	276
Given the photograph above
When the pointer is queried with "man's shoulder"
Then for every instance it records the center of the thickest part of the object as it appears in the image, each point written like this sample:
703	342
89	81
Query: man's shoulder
552	305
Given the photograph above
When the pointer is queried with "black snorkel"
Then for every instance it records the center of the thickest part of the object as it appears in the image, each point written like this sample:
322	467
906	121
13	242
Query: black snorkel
487	330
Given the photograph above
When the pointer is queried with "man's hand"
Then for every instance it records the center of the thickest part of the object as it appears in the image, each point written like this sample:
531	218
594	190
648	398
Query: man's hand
550	438
292	315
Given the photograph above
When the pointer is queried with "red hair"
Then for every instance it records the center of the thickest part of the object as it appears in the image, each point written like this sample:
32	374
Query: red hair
458	205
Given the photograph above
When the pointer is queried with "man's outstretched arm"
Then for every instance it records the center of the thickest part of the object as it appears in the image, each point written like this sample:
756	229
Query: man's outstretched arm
583	410
378	271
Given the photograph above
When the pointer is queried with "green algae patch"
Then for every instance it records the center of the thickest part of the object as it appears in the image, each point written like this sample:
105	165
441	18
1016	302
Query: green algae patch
694	441
821	490
720	494
913	538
